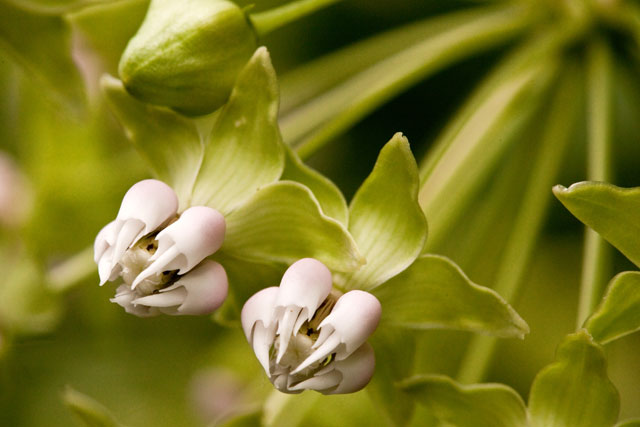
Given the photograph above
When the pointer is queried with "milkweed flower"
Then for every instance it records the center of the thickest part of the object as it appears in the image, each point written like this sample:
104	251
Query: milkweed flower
160	255
306	335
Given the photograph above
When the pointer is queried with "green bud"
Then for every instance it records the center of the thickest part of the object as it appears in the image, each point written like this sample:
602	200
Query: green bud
187	54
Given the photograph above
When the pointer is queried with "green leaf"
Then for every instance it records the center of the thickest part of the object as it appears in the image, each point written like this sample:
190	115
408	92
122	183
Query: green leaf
87	410
435	293
56	7
245	151
575	389
612	211
287	410
385	218
328	195
395	352
619	313
477	405
283	222
22	37
629	423
169	142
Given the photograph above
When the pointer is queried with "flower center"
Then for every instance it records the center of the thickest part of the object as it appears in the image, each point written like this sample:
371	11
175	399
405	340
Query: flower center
136	259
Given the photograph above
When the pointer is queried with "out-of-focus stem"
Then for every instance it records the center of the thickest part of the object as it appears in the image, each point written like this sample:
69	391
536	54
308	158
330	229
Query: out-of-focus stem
530	217
595	263
269	20
73	270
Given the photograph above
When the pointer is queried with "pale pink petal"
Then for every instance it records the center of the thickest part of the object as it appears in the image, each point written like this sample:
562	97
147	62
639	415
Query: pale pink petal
356	370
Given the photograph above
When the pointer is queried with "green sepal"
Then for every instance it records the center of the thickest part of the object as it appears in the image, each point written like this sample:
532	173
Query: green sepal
41	45
88	410
283	222
328	195
245	150
477	405
435	294
385	218
574	390
612	211
619	313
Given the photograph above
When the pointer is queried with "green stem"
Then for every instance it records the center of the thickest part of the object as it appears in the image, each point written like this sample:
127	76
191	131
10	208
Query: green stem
313	124
530	217
72	271
269	20
595	264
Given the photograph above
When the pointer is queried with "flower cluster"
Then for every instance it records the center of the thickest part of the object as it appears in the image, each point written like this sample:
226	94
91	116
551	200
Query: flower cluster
160	254
307	335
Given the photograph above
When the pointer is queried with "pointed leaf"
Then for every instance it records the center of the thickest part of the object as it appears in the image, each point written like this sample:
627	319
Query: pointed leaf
612	211
619	313
385	218
435	294
575	389
22	36
283	222
395	351
89	411
169	142
245	151
328	195
477	405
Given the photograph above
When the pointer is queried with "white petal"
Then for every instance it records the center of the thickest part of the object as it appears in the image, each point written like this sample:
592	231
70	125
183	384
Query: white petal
106	271
319	382
102	242
124	298
352	320
151	201
206	285
258	325
166	299
356	370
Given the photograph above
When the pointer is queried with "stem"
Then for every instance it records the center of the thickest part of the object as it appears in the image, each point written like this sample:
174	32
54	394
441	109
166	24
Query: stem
595	264
312	125
530	217
269	20
70	272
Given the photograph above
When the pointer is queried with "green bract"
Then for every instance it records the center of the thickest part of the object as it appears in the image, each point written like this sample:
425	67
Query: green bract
187	54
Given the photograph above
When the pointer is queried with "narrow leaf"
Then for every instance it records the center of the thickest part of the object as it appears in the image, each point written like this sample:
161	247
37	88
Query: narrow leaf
283	222
87	410
619	313
328	195
385	217
435	294
42	46
245	150
169	142
611	211
575	389
477	405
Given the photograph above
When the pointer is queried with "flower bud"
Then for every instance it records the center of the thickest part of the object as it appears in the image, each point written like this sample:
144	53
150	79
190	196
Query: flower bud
187	54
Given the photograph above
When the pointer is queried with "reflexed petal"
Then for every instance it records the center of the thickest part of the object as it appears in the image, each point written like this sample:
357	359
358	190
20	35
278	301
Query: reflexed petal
124	298
198	233
356	370
352	320
319	382
166	299
258	325
206	287
103	241
151	201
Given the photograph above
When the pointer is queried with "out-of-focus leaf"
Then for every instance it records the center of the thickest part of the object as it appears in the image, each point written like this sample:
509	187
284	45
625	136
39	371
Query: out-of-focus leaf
328	195
245	150
385	217
477	405
283	222
169	142
575	389
56	7
42	46
250	419
245	279
619	313
88	411
612	211
435	293
287	410
395	352
629	423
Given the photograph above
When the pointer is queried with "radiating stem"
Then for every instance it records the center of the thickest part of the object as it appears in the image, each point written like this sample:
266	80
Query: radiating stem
72	271
595	263
530	217
313	124
269	20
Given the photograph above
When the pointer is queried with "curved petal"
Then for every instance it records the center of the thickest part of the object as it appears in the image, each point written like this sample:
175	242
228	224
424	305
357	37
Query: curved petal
207	287
103	241
124	298
198	233
356	370
352	320
151	201
258	325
